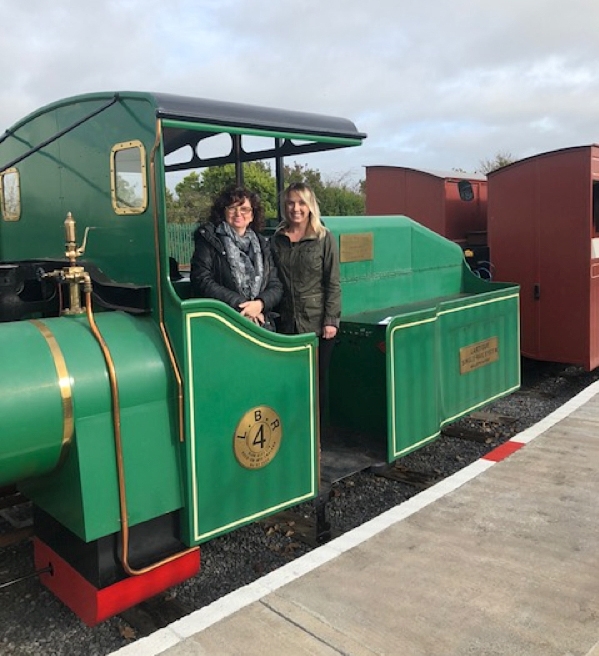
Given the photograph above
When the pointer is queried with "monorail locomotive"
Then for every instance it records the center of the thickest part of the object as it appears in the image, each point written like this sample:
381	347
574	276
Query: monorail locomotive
141	422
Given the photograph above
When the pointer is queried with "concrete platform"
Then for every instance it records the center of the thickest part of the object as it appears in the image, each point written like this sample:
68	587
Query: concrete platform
500	559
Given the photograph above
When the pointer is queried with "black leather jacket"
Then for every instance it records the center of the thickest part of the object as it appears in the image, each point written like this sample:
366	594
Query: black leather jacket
211	275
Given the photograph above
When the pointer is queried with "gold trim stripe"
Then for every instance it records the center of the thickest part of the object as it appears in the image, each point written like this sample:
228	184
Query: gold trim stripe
260	342
64	384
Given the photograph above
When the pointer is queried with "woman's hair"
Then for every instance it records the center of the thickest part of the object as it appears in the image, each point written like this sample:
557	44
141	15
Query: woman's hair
233	195
307	195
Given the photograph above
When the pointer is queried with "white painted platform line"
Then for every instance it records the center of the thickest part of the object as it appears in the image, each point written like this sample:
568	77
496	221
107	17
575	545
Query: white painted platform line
204	617
557	415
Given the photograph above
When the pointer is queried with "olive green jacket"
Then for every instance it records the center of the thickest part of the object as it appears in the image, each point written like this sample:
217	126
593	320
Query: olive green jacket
309	271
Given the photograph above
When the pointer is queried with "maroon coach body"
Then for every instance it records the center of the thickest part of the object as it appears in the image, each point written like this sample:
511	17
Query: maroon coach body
543	232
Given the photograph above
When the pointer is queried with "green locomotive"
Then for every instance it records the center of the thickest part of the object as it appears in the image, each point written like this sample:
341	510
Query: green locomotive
142	422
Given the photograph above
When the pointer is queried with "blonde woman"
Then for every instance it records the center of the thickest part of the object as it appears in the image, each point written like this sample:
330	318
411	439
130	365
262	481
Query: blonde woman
307	259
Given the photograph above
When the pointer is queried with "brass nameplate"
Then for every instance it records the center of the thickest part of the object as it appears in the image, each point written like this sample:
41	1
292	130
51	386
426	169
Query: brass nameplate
478	355
357	247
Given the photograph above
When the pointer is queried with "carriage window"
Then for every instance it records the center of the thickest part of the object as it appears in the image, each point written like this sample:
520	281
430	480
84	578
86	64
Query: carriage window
596	206
128	178
10	195
465	190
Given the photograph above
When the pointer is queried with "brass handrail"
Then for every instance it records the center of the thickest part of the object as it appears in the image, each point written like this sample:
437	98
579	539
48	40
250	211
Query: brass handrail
118	444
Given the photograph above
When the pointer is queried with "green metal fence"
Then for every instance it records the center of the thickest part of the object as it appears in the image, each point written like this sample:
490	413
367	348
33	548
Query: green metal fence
180	241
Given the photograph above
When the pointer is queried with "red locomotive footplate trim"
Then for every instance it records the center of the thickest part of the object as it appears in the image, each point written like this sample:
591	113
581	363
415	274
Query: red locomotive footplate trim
93	605
503	451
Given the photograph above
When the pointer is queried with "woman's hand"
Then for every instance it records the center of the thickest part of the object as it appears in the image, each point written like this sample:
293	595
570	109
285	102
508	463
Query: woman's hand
328	332
251	309
259	320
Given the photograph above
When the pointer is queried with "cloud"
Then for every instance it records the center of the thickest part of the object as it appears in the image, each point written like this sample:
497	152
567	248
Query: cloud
434	84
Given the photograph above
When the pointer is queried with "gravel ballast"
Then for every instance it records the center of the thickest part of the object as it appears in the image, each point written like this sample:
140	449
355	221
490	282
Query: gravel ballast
34	622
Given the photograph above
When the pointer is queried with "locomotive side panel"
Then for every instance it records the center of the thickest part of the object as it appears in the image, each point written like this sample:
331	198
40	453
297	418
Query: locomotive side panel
251	446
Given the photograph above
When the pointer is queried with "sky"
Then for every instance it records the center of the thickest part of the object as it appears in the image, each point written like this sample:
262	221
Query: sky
436	85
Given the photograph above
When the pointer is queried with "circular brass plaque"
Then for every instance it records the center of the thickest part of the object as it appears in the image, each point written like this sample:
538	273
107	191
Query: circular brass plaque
257	437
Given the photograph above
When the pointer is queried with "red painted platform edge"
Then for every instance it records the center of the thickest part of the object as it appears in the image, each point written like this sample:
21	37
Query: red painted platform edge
503	451
94	605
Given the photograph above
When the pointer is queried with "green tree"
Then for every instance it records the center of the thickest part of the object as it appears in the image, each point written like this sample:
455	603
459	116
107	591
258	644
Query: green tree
126	193
301	173
335	197
195	193
215	179
341	201
190	203
257	176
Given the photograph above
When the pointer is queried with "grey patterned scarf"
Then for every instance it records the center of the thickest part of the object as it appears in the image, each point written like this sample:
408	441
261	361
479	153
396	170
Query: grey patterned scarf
244	256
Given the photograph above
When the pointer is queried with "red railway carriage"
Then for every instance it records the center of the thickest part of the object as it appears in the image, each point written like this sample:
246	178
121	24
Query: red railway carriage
452	204
543	233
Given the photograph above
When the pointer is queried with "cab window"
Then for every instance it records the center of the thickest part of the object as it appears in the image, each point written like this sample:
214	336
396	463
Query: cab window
128	178
10	195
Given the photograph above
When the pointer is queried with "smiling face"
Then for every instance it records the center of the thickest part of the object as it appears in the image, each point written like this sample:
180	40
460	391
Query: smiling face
239	216
297	210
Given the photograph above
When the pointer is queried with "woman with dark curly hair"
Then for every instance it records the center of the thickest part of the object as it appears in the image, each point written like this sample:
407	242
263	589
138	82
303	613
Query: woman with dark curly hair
232	261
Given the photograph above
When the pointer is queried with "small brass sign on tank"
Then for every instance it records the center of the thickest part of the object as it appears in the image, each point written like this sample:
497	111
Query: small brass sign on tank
357	247
257	437
479	354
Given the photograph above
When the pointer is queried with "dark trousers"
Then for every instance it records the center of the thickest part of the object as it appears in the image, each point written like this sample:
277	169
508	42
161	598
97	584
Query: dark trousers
325	352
